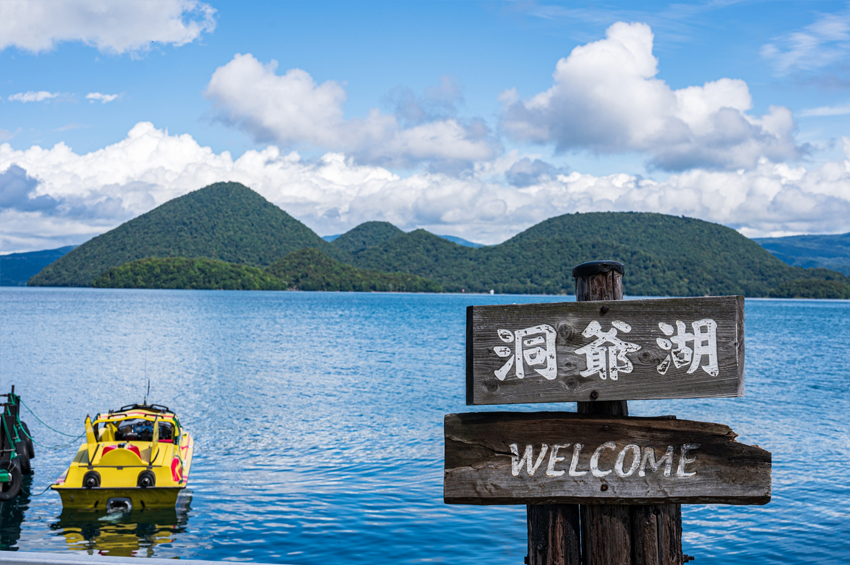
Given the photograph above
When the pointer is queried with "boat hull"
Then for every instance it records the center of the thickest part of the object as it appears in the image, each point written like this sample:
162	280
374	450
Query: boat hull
98	498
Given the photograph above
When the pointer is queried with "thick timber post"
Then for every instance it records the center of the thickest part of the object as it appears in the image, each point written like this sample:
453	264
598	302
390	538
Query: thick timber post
553	534
622	535
553	529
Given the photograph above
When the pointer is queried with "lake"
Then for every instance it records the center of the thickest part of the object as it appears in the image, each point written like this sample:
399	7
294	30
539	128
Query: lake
318	421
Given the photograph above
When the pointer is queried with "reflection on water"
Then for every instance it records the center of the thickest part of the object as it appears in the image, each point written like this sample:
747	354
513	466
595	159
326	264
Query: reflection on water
318	419
12	515
134	534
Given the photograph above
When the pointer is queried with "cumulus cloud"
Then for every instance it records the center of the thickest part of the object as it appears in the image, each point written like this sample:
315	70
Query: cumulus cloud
112	27
31	96
818	45
17	192
102	98
606	98
526	172
292	109
83	195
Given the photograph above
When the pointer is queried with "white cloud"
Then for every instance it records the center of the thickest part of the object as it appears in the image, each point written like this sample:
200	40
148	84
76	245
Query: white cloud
103	98
111	26
292	109
824	111
31	96
606	99
6	134
818	45
61	197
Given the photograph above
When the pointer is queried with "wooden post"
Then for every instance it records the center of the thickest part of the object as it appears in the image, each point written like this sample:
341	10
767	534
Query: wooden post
598	280
553	534
622	535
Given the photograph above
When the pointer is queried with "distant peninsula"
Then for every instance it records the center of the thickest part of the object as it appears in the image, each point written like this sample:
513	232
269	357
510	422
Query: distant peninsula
228	236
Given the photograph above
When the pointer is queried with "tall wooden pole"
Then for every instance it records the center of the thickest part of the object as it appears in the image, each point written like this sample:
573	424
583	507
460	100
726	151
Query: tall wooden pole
553	534
622	535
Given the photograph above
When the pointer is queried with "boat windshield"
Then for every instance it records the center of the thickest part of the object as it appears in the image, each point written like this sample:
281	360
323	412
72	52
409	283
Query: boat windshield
139	429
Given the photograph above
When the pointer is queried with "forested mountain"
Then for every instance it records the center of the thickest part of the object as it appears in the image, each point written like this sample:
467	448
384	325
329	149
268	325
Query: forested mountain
310	269
181	273
306	269
461	241
825	251
366	235
663	255
17	268
366	231
224	221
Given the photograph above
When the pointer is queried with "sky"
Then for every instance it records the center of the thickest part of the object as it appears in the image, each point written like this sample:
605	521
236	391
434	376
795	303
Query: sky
476	119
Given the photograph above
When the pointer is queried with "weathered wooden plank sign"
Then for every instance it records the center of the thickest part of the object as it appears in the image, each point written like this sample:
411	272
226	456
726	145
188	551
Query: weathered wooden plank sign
605	350
566	458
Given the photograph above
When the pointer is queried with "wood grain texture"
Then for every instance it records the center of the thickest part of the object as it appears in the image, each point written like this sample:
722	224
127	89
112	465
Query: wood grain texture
479	461
656	534
553	534
604	527
570	319
604	286
606	534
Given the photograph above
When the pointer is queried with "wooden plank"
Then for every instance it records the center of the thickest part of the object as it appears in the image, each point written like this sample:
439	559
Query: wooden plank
605	350
487	463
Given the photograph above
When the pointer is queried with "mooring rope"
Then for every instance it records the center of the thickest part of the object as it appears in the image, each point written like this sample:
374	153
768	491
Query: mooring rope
38	443
39	494
43	424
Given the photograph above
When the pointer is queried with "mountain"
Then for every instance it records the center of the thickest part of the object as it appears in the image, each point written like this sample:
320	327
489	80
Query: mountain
366	235
181	273
307	269
826	251
460	241
663	255
373	233
17	268
310	269
224	221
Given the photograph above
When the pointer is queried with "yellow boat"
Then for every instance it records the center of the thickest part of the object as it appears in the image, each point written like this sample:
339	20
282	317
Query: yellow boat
138	456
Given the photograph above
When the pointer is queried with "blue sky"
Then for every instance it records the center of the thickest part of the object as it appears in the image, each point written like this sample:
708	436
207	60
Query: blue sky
476	119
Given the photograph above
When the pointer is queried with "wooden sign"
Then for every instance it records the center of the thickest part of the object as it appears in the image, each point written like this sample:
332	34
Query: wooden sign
558	457
605	350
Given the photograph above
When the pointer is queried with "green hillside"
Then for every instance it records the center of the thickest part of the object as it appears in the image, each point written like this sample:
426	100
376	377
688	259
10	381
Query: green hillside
224	221
230	223
310	269
664	256
17	268
182	273
825	251
307	269
366	235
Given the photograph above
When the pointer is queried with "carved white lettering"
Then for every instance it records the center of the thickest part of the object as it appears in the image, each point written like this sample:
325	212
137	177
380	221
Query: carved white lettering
649	457
621	459
594	460
574	472
629	461
527	458
684	460
554	459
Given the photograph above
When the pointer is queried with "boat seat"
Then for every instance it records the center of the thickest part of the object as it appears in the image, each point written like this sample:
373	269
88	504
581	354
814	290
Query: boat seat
120	457
131	447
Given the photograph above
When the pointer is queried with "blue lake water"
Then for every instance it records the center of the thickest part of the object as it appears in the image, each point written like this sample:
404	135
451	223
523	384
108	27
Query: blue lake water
318	421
